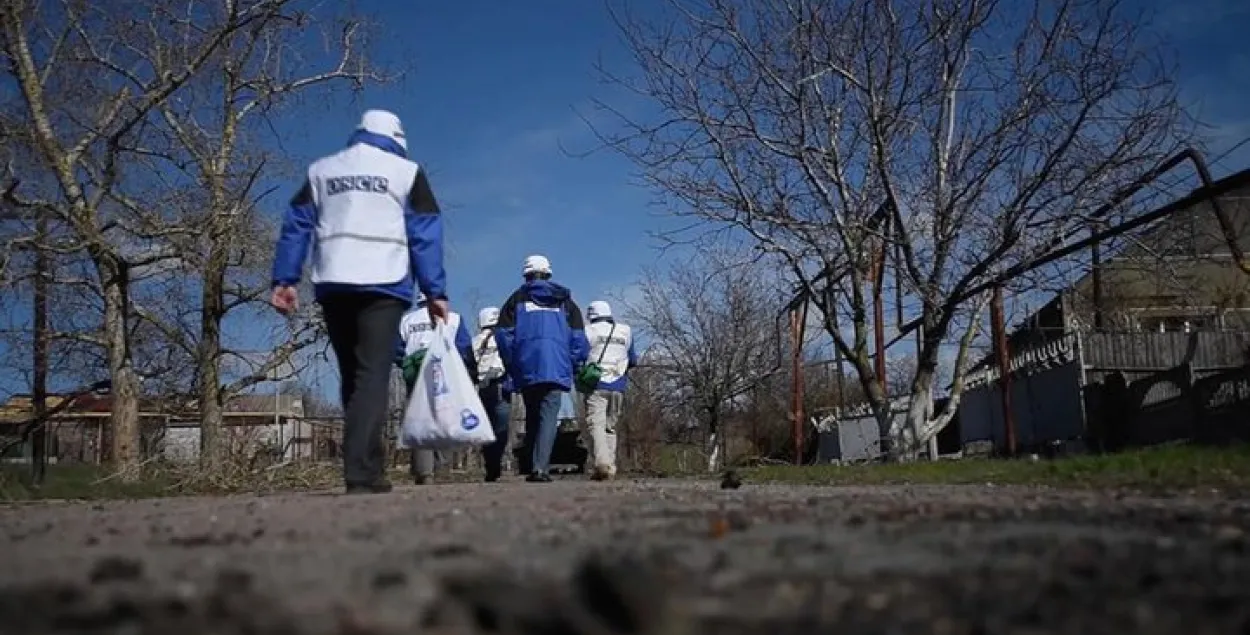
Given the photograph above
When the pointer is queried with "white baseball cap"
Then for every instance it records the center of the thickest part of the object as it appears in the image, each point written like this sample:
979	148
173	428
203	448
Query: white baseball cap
487	317
536	264
385	123
598	309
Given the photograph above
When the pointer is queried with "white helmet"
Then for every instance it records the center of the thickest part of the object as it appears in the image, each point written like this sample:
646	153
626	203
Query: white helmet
384	123
598	309
536	264
487	317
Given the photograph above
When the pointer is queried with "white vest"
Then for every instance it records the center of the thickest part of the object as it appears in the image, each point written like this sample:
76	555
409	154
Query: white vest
616	356
489	363
360	194
418	331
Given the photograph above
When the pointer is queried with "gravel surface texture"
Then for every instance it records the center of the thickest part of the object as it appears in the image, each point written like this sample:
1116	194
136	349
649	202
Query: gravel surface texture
575	557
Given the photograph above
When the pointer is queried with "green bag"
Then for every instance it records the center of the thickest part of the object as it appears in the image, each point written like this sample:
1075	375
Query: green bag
588	376
412	366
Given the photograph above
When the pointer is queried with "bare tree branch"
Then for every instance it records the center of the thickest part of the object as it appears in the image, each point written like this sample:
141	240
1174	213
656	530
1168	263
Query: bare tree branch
968	135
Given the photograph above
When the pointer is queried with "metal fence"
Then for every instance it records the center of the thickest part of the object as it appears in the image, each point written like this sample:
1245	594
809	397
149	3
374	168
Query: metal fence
1117	390
1181	403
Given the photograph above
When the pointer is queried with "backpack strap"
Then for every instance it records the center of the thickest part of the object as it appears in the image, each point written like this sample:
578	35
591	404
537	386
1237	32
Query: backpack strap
604	350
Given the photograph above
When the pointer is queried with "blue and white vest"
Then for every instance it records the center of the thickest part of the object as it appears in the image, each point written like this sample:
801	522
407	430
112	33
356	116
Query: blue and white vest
360	194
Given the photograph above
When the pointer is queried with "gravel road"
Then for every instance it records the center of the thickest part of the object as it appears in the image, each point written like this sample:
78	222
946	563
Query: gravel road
575	557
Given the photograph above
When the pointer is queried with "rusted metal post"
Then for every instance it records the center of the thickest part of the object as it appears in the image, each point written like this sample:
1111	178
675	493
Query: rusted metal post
878	316
1096	275
999	332
796	335
831	305
39	354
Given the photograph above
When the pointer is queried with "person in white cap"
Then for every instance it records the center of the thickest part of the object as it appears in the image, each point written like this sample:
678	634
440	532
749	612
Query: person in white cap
602	384
374	226
541	342
495	390
416	333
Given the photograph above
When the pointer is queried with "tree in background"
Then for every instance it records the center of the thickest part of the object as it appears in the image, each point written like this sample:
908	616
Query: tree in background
145	122
710	323
966	136
214	139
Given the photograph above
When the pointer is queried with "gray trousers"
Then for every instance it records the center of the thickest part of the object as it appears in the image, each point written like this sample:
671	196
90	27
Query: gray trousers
362	328
423	462
602	409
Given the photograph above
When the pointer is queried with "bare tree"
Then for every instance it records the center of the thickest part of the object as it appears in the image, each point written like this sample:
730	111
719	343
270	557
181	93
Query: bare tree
712	335
967	136
213	135
106	92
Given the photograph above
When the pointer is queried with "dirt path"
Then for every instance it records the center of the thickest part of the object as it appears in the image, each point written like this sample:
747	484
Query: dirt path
647	556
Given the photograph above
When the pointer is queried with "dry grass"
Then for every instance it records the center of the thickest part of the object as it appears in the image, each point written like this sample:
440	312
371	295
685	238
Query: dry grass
91	482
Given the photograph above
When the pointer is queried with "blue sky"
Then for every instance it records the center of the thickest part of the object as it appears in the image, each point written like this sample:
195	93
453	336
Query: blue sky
492	91
492	94
491	97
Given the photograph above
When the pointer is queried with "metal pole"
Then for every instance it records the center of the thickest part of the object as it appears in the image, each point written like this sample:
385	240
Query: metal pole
796	340
1096	275
1004	367
898	285
39	354
277	421
878	312
831	305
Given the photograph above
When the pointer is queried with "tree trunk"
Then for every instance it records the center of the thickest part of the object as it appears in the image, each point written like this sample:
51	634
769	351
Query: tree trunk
212	310
714	441
124	412
912	434
885	416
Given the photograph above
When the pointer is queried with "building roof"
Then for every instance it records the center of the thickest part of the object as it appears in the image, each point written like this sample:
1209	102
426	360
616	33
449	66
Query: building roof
19	407
1049	321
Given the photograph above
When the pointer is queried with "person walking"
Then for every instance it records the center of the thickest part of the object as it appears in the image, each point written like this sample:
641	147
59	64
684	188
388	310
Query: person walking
494	388
541	340
612	351
416	332
374	225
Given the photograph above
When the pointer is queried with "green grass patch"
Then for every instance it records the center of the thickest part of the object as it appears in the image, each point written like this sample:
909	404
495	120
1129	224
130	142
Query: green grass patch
87	482
1171	467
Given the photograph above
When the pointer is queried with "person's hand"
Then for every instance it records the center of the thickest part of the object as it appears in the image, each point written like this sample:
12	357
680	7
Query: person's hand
285	299
439	310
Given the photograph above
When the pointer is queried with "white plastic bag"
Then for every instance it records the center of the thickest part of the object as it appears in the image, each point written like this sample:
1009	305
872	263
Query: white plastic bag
444	411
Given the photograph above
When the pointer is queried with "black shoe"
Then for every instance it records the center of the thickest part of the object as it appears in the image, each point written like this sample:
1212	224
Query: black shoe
538	477
422	479
492	476
380	487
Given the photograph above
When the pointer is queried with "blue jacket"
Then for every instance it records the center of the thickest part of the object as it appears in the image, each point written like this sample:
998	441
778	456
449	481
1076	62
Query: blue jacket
540	336
424	225
464	344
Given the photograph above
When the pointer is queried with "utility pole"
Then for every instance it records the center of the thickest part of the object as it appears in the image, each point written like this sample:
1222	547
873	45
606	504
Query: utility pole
1003	361
798	318
39	354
